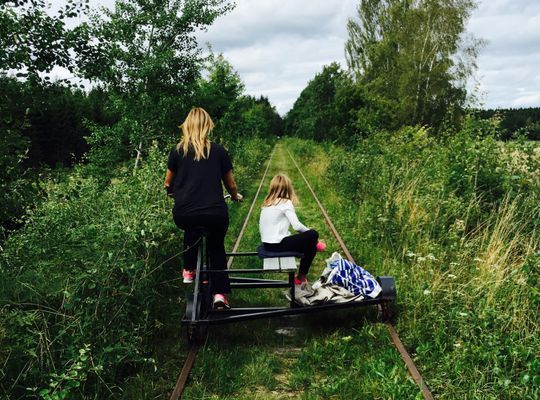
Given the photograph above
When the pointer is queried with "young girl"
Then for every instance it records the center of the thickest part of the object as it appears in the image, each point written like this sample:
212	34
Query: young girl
276	216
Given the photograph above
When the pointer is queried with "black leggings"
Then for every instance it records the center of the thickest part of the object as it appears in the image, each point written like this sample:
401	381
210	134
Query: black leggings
305	242
216	226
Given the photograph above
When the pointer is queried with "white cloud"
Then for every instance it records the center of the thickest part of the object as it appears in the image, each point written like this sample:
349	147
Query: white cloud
278	49
511	58
278	46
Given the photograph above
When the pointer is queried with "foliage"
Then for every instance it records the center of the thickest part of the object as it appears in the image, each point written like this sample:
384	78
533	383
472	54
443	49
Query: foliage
220	88
414	55
41	124
86	284
236	115
146	55
332	107
455	219
250	117
14	188
32	40
516	120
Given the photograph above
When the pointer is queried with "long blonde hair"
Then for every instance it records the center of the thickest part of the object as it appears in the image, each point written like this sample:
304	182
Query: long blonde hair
281	189
195	130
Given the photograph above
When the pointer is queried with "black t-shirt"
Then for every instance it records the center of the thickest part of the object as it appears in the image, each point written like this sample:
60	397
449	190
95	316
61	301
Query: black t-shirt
197	184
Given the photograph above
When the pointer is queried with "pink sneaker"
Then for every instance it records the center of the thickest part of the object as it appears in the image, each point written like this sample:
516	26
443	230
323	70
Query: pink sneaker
188	275
299	281
220	302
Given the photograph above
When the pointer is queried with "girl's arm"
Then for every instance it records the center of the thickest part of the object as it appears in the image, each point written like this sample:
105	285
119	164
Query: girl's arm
293	219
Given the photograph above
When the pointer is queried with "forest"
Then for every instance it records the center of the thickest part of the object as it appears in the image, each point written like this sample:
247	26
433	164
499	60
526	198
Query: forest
424	186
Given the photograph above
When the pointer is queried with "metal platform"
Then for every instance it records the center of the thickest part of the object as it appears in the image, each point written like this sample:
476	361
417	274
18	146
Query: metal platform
199	312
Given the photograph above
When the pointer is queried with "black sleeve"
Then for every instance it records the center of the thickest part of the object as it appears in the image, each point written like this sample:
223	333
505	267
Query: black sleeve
172	162
226	164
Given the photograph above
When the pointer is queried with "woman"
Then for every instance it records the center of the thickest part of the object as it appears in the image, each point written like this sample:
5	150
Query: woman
195	170
277	215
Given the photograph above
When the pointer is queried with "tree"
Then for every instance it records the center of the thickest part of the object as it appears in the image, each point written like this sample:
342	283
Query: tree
413	54
32	40
144	52
332	106
220	88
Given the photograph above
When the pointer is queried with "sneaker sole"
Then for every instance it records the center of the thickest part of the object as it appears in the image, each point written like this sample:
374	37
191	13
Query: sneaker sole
221	306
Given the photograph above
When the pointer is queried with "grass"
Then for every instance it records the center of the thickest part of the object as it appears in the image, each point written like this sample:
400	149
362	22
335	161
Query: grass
468	298
329	355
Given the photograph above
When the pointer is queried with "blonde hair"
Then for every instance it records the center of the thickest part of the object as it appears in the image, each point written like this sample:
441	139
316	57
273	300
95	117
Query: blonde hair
195	130
281	189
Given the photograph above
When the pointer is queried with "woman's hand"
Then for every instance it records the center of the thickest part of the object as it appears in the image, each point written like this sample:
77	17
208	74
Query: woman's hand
238	197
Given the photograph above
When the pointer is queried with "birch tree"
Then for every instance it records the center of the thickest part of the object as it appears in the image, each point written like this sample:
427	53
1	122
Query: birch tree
414	53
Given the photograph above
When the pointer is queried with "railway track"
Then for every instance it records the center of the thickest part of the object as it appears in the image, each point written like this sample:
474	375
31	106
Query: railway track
396	341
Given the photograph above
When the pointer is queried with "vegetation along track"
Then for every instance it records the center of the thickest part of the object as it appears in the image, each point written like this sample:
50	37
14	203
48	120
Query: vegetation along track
277	387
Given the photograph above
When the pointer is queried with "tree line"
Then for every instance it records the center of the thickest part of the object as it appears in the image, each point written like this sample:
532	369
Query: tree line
521	120
145	69
408	62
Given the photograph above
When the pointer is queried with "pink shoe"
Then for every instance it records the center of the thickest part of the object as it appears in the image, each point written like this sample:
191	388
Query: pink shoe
220	302
299	281
188	275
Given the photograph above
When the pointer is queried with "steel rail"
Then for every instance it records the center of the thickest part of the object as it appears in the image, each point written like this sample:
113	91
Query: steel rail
411	367
184	374
190	360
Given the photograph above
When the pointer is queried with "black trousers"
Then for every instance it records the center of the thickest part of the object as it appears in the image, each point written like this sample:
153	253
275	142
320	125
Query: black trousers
305	242
216	226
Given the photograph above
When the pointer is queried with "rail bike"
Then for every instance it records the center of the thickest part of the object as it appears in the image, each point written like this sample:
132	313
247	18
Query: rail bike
200	314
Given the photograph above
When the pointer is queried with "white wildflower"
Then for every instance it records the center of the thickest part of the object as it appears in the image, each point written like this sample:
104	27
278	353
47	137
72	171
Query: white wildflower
460	225
427	291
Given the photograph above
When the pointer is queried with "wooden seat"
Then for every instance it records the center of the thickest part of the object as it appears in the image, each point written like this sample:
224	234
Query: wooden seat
282	261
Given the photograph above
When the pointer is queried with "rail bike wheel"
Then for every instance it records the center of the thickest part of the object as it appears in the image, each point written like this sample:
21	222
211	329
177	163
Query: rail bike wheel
385	311
196	333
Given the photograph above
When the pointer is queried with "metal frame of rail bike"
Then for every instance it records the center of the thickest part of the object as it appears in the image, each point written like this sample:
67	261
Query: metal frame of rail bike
199	313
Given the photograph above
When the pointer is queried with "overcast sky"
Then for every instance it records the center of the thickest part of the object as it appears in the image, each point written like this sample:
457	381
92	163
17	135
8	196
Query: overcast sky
277	46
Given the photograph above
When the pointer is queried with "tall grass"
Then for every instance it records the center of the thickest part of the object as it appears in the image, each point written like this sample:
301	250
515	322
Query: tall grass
89	284
457	221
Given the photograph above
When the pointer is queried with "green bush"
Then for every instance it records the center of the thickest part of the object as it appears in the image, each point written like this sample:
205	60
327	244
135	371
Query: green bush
455	219
87	285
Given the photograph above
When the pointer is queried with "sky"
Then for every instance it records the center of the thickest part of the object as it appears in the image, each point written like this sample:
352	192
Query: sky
277	46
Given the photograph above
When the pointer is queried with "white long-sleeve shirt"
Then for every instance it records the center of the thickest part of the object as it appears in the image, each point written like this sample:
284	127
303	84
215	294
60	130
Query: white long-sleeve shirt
275	221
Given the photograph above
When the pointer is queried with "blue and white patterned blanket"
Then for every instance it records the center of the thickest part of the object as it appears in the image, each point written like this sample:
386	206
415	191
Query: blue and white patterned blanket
350	276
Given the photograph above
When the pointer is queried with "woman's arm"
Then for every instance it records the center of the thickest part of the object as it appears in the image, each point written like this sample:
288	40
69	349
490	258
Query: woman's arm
230	185
169	178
